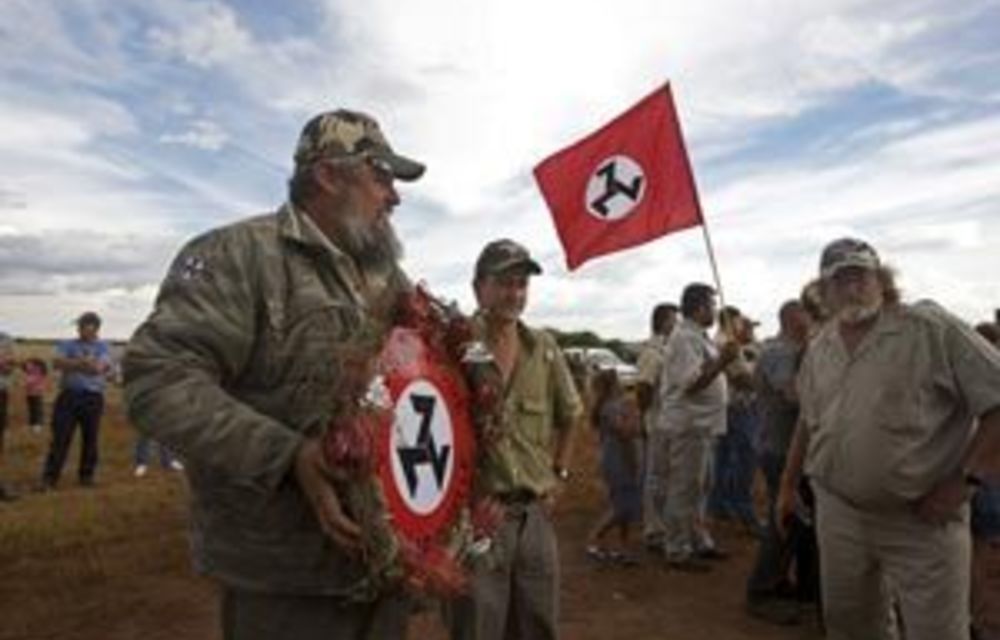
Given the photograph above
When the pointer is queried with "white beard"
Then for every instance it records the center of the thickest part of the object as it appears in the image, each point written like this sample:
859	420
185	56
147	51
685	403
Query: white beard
856	313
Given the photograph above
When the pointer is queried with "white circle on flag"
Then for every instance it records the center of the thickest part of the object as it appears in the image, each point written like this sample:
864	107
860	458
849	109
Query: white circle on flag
422	446
615	188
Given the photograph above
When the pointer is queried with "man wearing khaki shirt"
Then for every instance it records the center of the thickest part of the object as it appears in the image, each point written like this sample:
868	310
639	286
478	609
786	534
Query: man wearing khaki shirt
654	483
515	588
694	412
890	395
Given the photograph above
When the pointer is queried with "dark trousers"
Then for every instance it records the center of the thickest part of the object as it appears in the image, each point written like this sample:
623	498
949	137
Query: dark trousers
734	467
74	408
36	410
3	416
776	554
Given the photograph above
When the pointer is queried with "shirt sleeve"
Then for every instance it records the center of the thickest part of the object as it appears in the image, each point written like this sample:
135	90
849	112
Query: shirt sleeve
198	340
567	404
808	405
975	365
64	349
649	365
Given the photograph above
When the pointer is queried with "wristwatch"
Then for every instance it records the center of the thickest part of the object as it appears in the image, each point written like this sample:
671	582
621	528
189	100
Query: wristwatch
562	473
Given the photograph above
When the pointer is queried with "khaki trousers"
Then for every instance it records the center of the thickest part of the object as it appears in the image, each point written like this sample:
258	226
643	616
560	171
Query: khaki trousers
248	615
690	456
656	466
865	555
515	588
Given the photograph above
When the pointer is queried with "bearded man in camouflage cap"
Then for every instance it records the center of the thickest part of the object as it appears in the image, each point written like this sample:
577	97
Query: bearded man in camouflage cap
235	370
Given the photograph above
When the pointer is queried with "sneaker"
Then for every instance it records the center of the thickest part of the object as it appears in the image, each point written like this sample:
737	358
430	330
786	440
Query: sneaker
36	428
175	465
598	554
140	470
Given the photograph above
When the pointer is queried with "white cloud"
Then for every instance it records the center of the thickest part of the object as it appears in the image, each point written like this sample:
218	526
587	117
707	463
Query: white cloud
211	35
202	134
483	90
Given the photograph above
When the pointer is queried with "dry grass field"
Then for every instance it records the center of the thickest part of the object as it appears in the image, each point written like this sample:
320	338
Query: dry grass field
111	563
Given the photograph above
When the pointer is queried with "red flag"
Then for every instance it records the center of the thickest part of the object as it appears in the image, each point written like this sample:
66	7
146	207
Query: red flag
623	185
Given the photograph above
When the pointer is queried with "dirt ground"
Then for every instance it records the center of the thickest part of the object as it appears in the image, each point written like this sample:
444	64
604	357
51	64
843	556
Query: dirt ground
111	563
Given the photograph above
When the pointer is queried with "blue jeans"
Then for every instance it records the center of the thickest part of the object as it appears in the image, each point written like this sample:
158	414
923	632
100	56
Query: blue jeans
72	408
986	512
142	446
735	465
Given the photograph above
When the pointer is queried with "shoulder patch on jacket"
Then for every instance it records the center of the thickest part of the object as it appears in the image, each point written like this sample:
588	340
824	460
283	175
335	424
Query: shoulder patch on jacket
190	266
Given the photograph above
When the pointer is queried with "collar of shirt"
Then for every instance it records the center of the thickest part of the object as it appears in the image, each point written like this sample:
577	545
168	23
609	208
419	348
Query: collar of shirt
659	340
691	325
303	228
887	323
300	227
523	332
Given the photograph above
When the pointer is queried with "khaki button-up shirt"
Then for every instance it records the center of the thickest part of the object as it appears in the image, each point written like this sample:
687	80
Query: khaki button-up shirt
888	422
540	398
651	372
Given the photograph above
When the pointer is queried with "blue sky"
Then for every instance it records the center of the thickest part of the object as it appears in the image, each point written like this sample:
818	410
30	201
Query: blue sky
127	126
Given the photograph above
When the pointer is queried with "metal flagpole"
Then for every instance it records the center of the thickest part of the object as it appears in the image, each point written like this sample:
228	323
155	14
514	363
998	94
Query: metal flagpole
711	260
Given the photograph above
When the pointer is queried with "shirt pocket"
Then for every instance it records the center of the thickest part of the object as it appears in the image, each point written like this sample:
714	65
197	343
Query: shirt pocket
897	409
532	413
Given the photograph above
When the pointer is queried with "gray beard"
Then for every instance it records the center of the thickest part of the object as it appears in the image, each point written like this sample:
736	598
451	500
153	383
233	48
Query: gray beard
374	248
858	313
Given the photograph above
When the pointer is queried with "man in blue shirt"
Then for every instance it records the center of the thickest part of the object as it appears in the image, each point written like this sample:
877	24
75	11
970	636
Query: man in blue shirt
84	363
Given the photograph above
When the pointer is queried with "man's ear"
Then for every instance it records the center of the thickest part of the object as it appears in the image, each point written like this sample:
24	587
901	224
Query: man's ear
330	177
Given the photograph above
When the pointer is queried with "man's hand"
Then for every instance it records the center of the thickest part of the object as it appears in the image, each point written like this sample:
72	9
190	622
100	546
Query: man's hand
316	480
784	508
729	351
551	499
91	365
942	503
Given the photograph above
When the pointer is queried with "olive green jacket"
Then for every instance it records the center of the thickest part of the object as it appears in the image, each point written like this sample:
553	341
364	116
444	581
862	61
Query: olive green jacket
232	370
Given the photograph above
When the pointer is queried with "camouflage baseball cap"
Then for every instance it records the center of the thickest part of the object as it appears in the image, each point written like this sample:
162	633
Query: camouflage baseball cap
502	255
346	134
846	252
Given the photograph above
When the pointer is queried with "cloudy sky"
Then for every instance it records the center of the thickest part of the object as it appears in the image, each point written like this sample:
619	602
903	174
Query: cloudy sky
127	126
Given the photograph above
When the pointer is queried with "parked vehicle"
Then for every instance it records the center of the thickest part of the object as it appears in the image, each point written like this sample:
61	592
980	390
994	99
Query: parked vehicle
600	358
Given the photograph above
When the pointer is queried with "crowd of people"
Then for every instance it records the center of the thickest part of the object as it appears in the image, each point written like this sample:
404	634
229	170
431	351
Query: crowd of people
874	424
